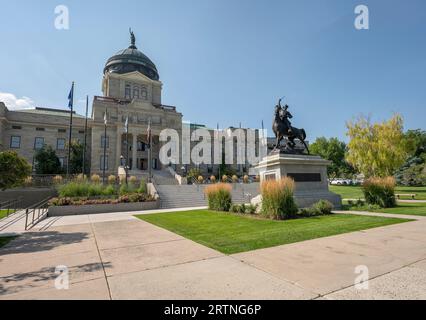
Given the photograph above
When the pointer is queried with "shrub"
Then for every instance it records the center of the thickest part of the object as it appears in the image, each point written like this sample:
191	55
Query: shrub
323	207
28	181
380	191
193	174
200	180
95	178
252	209
243	208
81	178
57	180
235	208
224	178
109	191
124	190
143	187
95	190
213	179
112	179
246	179
73	189
133	180
219	197
234	179
278	200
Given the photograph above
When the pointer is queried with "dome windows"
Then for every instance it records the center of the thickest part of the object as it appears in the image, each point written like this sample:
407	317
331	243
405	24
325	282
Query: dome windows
136	91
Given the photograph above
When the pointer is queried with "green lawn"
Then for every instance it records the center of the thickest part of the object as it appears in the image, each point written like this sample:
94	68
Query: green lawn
5	240
414	209
231	234
355	192
3	213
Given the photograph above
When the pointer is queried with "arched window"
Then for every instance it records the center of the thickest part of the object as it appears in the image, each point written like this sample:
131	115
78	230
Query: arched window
128	92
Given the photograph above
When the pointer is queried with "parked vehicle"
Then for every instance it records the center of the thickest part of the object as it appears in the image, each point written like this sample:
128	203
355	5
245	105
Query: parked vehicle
341	182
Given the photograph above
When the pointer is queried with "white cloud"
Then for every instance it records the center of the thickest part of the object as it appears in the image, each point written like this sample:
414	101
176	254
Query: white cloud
14	103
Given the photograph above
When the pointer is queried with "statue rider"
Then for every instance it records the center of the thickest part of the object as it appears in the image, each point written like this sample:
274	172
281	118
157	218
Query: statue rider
286	115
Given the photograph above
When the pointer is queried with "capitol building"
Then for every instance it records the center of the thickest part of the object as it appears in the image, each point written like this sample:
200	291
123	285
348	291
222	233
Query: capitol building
131	89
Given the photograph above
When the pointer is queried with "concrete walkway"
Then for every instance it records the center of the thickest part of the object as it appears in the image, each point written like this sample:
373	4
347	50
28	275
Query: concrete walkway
131	259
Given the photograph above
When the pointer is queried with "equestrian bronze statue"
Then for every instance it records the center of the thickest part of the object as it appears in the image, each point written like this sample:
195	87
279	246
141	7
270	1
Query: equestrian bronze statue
283	129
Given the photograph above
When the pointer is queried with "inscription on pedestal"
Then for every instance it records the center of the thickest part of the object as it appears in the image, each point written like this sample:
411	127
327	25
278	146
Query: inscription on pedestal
305	177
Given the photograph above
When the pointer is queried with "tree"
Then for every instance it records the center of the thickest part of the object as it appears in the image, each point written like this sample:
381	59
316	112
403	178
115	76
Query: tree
13	170
376	149
46	161
415	141
76	159
334	150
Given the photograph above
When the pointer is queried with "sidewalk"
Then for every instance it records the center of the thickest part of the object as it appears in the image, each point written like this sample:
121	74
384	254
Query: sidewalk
131	259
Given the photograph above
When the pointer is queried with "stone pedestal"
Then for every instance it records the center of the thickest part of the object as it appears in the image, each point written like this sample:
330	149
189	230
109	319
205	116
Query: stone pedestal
308	172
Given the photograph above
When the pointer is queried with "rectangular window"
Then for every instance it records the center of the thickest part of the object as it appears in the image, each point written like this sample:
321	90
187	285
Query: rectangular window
104	162
62	162
128	91
16	127
62	130
105	142
40	129
15	142
81	132
38	143
60	144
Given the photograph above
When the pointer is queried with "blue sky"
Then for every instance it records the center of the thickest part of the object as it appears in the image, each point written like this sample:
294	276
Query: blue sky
229	61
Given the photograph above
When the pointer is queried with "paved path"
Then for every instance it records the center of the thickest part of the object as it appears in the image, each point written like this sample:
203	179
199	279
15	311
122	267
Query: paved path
131	259
15	225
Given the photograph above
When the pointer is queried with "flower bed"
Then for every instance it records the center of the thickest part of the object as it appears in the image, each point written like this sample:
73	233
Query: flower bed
84	197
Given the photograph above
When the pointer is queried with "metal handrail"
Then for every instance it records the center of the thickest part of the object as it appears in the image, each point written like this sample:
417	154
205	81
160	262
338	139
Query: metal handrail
37	213
11	205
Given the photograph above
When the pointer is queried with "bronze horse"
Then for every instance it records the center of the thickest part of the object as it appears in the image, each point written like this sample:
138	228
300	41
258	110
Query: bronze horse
283	129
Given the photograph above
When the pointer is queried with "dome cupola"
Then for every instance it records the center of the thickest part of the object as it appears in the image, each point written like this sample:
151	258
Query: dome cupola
130	60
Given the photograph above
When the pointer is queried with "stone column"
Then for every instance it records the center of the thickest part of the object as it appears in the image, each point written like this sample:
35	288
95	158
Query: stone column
135	150
118	148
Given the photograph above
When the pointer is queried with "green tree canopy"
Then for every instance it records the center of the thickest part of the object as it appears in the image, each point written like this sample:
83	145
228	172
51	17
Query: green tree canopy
334	150
415	141
46	161
76	160
13	170
376	149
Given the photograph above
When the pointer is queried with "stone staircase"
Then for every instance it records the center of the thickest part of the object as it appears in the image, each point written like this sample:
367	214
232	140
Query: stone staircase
186	196
164	178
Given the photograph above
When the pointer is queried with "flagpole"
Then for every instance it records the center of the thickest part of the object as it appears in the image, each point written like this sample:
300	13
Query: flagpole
70	105
150	151
85	136
220	151
105	142
126	169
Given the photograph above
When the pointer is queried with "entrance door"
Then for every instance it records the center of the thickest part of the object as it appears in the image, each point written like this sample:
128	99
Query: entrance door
144	164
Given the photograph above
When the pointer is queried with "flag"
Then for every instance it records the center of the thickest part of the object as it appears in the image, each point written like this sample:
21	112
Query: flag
71	97
126	125
149	133
105	118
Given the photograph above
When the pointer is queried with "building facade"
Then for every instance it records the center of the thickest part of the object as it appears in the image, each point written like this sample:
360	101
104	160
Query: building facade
131	90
